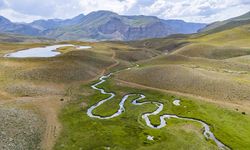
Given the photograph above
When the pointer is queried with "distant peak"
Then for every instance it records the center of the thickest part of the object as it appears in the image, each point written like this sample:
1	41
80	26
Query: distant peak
79	16
245	16
103	12
47	20
248	13
3	19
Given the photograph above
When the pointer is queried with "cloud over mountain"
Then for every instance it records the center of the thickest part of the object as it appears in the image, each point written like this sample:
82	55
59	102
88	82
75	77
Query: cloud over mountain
189	10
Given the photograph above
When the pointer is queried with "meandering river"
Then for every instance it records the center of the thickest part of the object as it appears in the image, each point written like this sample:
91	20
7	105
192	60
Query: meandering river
159	107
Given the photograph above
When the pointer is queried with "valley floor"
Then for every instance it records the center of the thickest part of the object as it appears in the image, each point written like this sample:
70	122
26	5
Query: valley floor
129	130
46	99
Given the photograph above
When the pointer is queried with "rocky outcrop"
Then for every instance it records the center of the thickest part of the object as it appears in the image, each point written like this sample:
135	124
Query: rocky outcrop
155	30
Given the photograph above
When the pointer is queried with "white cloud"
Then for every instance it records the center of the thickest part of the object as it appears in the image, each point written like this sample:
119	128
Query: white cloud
219	16
119	6
198	10
18	17
190	10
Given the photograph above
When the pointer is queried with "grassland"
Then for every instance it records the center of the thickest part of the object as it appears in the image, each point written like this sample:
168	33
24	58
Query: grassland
15	38
212	66
130	132
208	72
47	84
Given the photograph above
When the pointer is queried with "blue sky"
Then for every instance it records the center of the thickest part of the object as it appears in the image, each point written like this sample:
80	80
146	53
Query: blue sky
189	10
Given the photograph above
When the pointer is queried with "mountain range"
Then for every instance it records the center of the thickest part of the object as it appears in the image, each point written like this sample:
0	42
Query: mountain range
101	25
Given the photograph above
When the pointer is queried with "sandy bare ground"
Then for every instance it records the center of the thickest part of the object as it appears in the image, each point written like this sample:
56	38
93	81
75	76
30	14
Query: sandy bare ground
48	108
240	105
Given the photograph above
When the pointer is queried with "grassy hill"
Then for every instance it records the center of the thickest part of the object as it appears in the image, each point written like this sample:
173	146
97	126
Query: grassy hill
208	65
15	38
227	24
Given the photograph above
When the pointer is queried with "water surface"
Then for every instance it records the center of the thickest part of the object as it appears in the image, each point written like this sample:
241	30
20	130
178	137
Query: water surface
48	51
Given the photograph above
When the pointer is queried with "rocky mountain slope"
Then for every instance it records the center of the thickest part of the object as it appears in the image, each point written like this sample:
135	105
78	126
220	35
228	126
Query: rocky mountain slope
6	26
101	25
55	23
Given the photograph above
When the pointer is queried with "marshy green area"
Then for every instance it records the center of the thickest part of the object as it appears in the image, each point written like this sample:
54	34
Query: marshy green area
129	130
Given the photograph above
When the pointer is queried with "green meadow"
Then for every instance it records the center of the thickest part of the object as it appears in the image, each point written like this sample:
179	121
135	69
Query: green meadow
129	131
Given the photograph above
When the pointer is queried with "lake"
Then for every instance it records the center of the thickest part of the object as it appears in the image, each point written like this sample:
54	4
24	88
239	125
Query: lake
48	51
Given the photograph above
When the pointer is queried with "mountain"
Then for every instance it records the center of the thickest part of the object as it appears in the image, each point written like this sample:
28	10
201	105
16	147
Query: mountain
227	24
6	26
183	27
102	25
55	23
105	25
